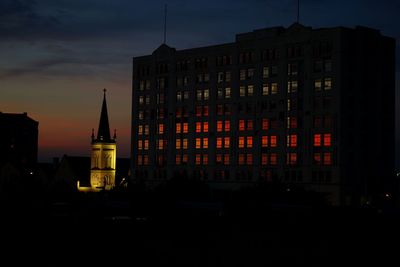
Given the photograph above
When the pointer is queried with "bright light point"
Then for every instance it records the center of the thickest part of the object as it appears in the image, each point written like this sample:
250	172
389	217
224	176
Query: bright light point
31	173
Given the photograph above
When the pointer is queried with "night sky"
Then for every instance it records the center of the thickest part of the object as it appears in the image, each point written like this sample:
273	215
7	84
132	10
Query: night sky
57	56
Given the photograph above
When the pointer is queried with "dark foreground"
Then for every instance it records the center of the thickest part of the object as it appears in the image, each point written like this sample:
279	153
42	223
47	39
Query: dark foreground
193	234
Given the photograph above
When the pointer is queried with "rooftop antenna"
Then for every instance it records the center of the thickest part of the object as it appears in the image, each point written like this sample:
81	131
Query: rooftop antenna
298	11
165	23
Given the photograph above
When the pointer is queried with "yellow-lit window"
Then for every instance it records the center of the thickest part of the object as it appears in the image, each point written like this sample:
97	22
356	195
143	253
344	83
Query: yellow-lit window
274	141
328	84
317	139
241	159
249	159
185	143
241	141
145	159
198	159
274	88
185	127
198	127
177	159
249	141
205	127
265	124
161	128
226	159
264	141
273	159
185	158
317	158
250	90
291	158
218	158
178	128
265	89
249	125
139	160
219	142
205	159
219	126
146	144
205	142
140	129
227	92
241	125
146	129
227	126
198	143
140	147
178	144
327	139
205	110
327	158
264	159
226	142
318	85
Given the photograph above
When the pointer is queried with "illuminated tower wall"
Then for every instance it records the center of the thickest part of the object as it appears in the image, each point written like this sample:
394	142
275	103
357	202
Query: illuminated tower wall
311	108
104	153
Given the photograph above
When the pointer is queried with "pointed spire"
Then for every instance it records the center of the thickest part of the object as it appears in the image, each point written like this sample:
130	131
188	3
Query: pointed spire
103	134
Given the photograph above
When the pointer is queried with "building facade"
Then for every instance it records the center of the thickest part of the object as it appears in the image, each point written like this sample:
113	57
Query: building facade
300	106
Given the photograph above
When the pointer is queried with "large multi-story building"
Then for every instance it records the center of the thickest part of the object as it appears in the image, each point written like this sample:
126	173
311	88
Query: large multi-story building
303	106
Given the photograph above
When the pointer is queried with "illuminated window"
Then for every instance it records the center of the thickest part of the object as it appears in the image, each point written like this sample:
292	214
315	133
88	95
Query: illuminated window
265	124
250	90
141	100
241	125
185	127
220	77
161	144
140	147
273	159
273	141
292	86
205	159
219	126
205	110
146	129
327	140
265	72
265	89
249	141
291	158
226	142
199	94
145	159
241	159
198	111
249	125
139	160
327	158
291	140
227	92
146	144
185	158
198	143
264	159
227	126
317	158
249	159
206	94
179	96
242	75
140	129
218	158
141	115
219	142
205	127
289	107
198	159
264	141
274	88
241	141
327	83
228	76
198	127
205	142
317	85
178	144
242	91
220	93
317	139
292	122
161	128
226	159
186	95
185	143
177	159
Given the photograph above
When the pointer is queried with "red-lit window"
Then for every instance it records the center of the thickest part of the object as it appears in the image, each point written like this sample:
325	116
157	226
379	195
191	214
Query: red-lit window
219	126
265	124
274	142
198	159
291	158
249	125
178	128
205	159
198	111
178	144
161	128
226	159
317	139
264	159
249	159
205	127
178	112
291	122
198	127
185	158
226	142
327	158
205	142
249	141
205	110
227	126
241	125
241	159
292	140
185	127
273	159
177	159
241	141
198	143
139	160
317	158
219	142
264	141
327	139
218	158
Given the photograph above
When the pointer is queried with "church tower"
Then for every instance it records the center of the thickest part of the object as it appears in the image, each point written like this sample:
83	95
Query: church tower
104	154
